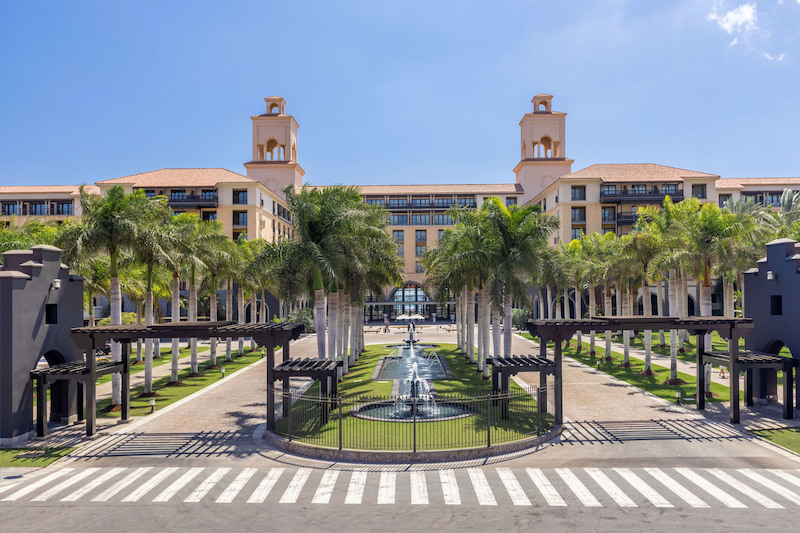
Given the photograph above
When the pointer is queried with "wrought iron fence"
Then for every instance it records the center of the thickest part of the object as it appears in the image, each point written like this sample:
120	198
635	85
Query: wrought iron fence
400	424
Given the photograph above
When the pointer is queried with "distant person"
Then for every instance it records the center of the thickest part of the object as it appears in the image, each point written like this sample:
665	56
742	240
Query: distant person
386	325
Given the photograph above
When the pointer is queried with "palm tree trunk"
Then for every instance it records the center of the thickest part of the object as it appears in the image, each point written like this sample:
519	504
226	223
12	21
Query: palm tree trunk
347	315
319	321
487	322
176	317
647	308
740	283
459	329
91	310
464	315
578	315
592	307
660	309
333	309
253	316
148	344
608	311
559	305
240	317
541	304
471	325
193	318
116	348
480	329
229	317
496	335
729	306
507	325
705	299
353	329
550	313
212	315
138	341
263	313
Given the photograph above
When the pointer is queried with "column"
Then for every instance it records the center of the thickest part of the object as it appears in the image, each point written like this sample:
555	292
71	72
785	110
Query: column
126	383
41	406
270	384
701	372
733	354
788	408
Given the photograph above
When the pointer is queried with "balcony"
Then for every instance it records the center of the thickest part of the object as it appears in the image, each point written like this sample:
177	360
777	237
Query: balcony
627	218
649	197
193	201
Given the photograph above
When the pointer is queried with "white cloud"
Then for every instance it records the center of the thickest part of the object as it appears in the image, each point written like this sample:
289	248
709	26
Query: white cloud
777	58
737	20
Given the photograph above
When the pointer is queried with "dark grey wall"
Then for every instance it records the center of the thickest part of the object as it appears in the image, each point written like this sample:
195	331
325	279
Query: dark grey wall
783	259
25	288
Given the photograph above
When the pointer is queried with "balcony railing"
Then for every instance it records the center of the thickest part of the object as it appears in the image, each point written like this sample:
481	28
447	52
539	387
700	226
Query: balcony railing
194	200
627	218
635	198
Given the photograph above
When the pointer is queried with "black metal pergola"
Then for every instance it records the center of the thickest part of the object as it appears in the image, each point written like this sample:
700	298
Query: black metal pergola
89	339
505	367
324	370
732	329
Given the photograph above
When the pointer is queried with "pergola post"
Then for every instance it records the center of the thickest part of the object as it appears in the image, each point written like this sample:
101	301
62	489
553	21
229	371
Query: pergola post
733	355
542	392
287	400
91	390
749	374
41	407
80	406
701	371
788	408
557	389
126	382
270	386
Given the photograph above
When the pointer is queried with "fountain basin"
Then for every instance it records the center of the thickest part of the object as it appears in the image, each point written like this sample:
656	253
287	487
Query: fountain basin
390	411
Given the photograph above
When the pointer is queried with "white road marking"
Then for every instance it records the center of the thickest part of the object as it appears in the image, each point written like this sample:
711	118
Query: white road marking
236	485
36	484
386	488
482	489
355	492
646	490
93	484
167	494
515	490
611	488
86	472
744	489
8	487
149	485
547	489
325	489
419	489
576	486
771	485
264	488
292	492
212	479
710	488
786	476
449	487
121	484
681	491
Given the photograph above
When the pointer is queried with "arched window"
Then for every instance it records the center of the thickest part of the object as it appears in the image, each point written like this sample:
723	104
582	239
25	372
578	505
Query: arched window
272	144
274	108
547	146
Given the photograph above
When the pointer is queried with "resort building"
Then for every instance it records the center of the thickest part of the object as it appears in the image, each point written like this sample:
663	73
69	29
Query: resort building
49	203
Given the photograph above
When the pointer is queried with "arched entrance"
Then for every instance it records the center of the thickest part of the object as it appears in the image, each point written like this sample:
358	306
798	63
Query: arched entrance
410	299
62	392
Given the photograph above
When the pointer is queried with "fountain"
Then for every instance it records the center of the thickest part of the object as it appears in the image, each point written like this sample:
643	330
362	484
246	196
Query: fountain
414	371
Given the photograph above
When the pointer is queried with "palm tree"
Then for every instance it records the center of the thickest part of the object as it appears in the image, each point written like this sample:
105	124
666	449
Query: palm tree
217	262
110	225
30	233
642	248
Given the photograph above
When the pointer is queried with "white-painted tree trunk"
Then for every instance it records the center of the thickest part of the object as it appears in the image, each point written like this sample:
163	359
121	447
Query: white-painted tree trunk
333	317
740	283
550	311
660	308
487	321
345	331
176	317
647	308
253	316
541	304
471	326
480	330
459	327
578	315
507	325
705	309
193	318
496	334
608	311
148	344
319	322
116	348
592	308
240	316
229	318
212	315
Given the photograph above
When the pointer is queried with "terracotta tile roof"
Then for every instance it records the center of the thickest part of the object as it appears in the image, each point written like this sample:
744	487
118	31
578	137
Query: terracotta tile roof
741	183
180	177
461	188
47	189
636	172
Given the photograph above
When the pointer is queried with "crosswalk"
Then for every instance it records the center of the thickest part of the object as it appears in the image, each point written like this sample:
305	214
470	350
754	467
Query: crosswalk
663	488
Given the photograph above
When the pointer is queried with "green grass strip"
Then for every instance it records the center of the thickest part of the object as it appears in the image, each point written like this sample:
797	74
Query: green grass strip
787	437
31	457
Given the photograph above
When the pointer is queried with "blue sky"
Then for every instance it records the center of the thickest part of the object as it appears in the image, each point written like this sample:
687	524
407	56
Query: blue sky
402	92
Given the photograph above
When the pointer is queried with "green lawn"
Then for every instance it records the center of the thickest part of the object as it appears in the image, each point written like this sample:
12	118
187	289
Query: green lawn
651	383
31	457
357	389
157	361
168	395
787	437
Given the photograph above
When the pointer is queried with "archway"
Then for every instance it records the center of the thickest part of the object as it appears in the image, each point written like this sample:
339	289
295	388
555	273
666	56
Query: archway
778	347
62	392
411	291
653	305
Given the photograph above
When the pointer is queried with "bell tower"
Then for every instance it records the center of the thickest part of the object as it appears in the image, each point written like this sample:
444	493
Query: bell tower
274	161
543	151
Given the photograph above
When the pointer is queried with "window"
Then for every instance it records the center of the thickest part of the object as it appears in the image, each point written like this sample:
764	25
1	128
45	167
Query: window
284	213
420	220
420	202
669	188
544	204
556	198
609	214
237	234
61	208
240	218
608	230
51	313
724	199
398	235
240	196
211	194
466	202
576	233
442	219
10	209
398	202
608	189
699	190
776	305
579	214
398	220
149	193
773	199
421	236
439	236
375	201
209	215
177	194
511	200
578	192
418	268
638	189
419	250
442	202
